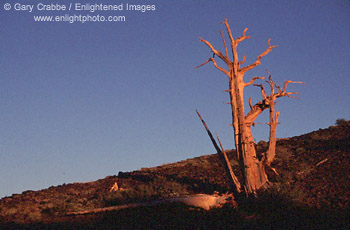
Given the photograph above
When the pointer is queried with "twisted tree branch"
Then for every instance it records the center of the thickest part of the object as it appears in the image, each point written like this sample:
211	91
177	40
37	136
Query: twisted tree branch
217	52
215	64
252	81
268	100
243	37
233	43
223	40
258	62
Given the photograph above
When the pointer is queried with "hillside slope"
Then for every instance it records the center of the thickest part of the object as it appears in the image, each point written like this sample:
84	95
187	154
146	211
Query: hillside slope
313	173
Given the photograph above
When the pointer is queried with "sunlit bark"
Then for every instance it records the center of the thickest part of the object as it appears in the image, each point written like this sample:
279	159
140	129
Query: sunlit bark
253	168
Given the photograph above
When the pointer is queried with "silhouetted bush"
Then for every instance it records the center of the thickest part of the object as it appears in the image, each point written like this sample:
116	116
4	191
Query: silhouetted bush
342	122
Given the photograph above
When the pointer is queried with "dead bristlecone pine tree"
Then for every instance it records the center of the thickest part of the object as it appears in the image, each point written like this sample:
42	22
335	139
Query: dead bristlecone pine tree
253	167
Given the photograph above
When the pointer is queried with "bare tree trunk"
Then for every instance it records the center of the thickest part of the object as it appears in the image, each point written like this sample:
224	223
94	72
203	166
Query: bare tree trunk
253	168
235	122
254	171
271	152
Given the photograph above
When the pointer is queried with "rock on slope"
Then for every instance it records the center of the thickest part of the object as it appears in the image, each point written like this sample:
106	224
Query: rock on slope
313	170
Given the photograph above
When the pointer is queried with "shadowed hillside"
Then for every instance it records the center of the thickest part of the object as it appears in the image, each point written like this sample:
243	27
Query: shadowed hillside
311	190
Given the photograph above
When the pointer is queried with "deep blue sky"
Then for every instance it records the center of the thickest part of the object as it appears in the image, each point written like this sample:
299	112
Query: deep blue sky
83	101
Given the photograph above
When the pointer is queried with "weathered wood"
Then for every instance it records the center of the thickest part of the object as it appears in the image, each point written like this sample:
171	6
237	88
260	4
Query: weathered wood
227	163
204	201
234	182
252	167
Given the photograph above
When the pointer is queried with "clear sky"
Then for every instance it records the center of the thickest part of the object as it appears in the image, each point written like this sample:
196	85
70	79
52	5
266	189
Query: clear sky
81	101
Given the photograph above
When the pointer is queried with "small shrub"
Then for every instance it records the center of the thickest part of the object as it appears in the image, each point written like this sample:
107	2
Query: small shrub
9	211
263	145
300	151
160	187
34	216
342	122
56	209
288	192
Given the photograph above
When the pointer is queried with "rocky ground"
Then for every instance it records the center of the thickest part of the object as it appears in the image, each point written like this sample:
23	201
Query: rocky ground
312	191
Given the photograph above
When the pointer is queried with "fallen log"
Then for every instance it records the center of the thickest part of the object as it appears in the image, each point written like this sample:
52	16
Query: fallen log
204	201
